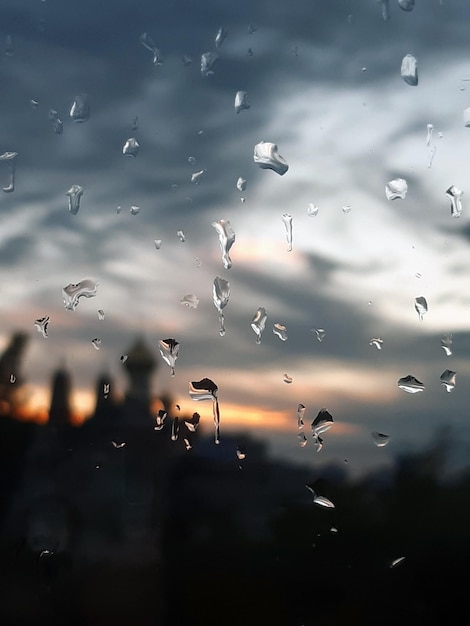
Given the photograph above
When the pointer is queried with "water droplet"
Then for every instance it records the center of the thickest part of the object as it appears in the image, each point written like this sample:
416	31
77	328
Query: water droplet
220	36
432	152
72	293
266	155
287	219
226	240
380	439
376	342
187	444
302	440
241	184
123	358
287	379
385	11
80	109
158	243
190	301
241	101
175	428
106	390
208	59
160	419
421	307
96	343
34	104
101	315
193	423
206	389
320	333
251	29
300	415
118	209
9	47
74	195
135	123
186	60
446	343
46	553
240	454
323	422
397	561
333	530
448	380
181	236
258	323
409	70
192	160
148	43
131	147
117	445
220	297
10	159
280	331
320	500
396	188
455	196
346	208
242	200
12	379
196	177
429	130
169	349
42	325
134	210
312	210
249	52
56	122
406	5
410	384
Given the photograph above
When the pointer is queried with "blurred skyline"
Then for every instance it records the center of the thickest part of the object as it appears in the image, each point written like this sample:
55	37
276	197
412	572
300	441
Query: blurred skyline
323	80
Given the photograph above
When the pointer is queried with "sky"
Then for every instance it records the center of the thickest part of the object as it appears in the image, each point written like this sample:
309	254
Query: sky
323	81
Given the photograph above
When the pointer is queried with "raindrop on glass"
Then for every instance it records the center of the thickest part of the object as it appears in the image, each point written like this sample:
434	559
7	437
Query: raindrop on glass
12	379
186	60
410	384
181	236
193	423
206	389
96	343
421	307
287	219
134	210
175	428
429	130
376	342
196	177
258	323
135	123
406	5
446	344
192	160
187	444
448	380
280	331
117	445
241	184
432	152
10	159
42	325
169	349
396	562
34	103
320	500
226	240
240	454
241	101
148	43
396	188
287	379
380	439
323	422
220	297
302	440
312	210
101	315
9	47
220	36
56	122
72	293
106	390
455	196
300	415
80	109
160	419
207	61
131	147
385	11
123	358
409	70
158	243
118	209
74	195
346	208
190	301
266	155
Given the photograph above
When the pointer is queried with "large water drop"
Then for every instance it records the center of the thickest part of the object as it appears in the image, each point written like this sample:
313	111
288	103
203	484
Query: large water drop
80	109
287	219
169	349
409	70
241	101
280	331
266	155
410	384
448	380
258	323
74	195
226	240
396	188
206	389
208	60
131	147
455	196
42	325
421	307
220	297
72	293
